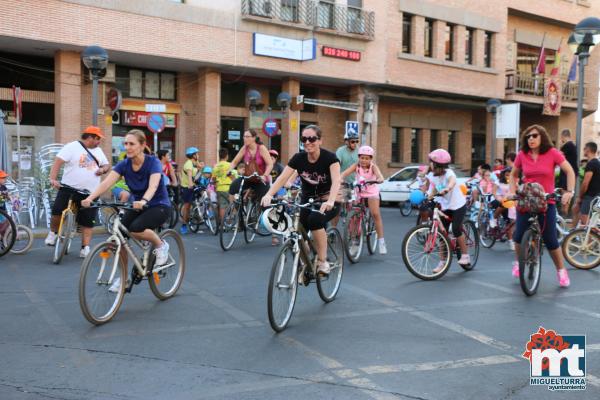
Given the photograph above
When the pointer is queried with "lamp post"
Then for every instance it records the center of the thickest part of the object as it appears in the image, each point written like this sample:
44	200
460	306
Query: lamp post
583	39
491	106
95	59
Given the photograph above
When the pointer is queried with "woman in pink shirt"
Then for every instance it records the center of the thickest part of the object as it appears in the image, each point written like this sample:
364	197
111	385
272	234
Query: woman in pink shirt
537	160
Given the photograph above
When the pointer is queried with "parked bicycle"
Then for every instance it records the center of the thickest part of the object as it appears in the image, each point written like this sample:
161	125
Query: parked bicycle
8	232
103	280
23	240
581	247
359	226
425	246
296	262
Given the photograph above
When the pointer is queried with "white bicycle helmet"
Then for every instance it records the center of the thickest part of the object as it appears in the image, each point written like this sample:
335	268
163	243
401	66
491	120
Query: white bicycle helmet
276	220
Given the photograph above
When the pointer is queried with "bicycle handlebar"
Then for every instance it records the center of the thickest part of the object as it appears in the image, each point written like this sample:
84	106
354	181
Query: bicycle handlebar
307	206
71	188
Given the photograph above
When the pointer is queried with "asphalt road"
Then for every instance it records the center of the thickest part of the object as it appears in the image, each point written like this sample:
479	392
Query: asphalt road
386	336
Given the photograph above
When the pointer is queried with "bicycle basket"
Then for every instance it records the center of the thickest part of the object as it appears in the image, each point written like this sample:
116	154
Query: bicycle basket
532	199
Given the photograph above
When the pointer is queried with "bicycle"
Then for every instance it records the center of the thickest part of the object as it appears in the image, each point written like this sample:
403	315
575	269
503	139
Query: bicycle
359	226
8	232
581	247
98	299
407	206
432	240
531	251
297	261
202	211
67	227
241	214
23	239
488	235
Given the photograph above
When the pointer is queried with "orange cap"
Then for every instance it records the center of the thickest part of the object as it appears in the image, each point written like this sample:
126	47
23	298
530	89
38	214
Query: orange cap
94	130
3	174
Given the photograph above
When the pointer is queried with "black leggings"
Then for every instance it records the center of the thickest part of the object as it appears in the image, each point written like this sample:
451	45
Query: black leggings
312	221
457	217
149	218
260	188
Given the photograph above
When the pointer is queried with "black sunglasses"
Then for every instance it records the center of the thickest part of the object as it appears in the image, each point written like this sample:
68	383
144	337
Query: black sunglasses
532	136
354	141
310	139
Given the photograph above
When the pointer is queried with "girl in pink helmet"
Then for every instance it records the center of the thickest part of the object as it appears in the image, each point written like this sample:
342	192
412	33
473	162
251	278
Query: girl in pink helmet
443	182
367	171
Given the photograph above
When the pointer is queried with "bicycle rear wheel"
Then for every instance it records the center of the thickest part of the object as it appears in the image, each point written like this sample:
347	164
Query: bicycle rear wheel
371	234
63	237
582	250
328	286
486	237
99	274
229	226
250	222
530	262
195	219
353	237
23	240
423	251
283	287
165	280
472	241
7	240
405	208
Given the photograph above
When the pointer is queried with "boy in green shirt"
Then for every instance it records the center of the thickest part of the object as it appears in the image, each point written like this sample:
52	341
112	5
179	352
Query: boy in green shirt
222	181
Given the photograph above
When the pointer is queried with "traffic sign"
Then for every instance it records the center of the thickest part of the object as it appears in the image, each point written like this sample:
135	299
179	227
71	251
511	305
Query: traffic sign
270	127
156	122
351	128
114	100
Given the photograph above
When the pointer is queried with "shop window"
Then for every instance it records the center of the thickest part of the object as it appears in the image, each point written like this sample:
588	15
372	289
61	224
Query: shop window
469	45
396	145
428	42
325	14
145	84
414	145
487	54
449	41
35	114
290	10
233	94
406	29
26	72
309	92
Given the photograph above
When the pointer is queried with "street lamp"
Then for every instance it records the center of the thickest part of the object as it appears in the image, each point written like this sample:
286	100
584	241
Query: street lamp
492	106
284	100
253	97
95	59
585	36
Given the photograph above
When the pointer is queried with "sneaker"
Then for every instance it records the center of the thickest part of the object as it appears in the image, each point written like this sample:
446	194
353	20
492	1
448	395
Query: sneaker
511	245
563	278
515	269
274	241
464	260
493	223
50	239
162	254
183	230
83	253
114	288
382	248
323	268
439	267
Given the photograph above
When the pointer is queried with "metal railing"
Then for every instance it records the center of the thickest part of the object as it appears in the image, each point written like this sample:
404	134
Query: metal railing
315	13
533	85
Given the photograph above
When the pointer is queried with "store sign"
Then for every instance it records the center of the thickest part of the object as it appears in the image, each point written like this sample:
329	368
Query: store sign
140	118
160	108
279	47
341	53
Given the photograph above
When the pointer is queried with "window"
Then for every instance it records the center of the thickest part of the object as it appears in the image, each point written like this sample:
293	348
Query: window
452	144
487	54
396	141
528	56
325	14
469	45
146	84
428	38
406	174
414	146
261	8
233	94
289	10
406	28
434	140
449	41
355	20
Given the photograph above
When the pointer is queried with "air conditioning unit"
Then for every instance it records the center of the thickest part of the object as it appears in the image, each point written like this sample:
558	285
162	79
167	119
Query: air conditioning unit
111	74
116	118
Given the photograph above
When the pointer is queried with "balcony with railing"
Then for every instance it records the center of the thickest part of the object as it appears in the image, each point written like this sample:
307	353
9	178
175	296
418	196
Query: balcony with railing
523	83
324	16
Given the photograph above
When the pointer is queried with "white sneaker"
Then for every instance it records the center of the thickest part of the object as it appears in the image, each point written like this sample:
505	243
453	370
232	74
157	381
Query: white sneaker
83	253
116	285
51	239
323	268
464	260
382	248
162	254
439	267
511	245
493	223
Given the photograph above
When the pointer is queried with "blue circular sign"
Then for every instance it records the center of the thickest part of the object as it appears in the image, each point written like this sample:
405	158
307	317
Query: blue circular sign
270	127
156	122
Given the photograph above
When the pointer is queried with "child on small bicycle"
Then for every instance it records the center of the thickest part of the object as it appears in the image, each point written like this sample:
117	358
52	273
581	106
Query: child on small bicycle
367	171
451	199
503	206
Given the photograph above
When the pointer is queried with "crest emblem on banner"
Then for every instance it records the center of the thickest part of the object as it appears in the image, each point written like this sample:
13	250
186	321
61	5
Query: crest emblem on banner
552	97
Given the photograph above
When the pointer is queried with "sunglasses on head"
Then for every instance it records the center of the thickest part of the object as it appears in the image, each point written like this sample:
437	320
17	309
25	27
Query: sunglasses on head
532	136
310	139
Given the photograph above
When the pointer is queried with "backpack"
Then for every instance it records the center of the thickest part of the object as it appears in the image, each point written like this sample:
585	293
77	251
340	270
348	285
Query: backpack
532	199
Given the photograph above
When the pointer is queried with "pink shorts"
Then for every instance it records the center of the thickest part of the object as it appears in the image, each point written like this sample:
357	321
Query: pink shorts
371	191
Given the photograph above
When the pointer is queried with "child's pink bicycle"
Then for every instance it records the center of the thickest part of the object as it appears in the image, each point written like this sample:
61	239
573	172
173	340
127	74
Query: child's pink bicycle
359	227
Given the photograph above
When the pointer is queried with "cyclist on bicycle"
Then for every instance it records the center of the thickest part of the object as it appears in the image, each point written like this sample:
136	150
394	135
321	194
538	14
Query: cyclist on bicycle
488	187
503	206
319	170
537	160
84	163
143	175
452	201
366	170
190	169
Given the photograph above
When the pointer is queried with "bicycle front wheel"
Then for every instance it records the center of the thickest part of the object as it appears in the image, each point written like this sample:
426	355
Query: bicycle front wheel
371	234
582	250
229	226
283	287
472	241
195	219
250	222
424	251
102	283
353	237
7	240
63	238
23	240
486	236
530	262
405	208
328	286
210	217
166	279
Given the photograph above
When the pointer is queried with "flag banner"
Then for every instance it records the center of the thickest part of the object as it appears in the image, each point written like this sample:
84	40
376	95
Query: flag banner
556	65
573	71
540	68
552	97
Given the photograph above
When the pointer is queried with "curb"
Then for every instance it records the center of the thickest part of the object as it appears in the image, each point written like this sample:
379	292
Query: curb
41	233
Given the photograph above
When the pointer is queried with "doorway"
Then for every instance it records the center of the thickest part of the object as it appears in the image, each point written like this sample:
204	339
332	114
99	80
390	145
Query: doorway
232	132
478	155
